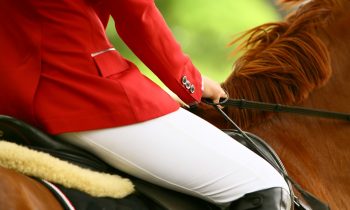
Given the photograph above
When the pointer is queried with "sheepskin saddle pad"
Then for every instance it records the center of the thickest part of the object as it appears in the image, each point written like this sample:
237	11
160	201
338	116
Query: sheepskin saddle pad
44	166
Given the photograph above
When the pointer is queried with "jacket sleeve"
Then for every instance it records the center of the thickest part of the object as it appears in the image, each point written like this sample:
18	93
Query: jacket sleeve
142	27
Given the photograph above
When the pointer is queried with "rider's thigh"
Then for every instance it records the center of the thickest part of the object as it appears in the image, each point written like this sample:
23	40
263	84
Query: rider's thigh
182	152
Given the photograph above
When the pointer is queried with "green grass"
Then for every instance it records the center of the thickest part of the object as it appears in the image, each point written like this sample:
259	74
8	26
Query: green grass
204	28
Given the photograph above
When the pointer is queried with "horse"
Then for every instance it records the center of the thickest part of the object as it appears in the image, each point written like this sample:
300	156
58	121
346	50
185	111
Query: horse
302	60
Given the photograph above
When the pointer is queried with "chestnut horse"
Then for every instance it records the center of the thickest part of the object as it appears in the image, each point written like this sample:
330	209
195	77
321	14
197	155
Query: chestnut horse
304	60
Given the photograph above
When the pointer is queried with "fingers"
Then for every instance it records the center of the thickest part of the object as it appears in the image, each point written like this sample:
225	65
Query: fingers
213	90
221	94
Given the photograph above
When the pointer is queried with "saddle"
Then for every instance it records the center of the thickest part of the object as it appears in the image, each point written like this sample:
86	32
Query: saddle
147	195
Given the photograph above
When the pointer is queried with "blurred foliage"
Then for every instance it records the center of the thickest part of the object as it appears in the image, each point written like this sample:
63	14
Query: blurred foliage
204	28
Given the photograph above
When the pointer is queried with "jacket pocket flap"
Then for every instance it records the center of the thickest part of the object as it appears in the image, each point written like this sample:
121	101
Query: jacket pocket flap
110	62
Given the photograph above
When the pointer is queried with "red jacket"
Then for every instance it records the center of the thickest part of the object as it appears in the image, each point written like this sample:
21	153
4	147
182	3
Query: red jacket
58	70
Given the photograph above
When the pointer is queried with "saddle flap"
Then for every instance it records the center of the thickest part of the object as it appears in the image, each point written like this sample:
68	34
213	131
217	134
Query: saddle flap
267	152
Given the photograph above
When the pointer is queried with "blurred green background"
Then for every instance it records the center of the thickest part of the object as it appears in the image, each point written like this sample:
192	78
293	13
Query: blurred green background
204	28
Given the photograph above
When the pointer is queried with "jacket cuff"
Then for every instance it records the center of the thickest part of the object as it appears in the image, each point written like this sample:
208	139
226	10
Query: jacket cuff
191	84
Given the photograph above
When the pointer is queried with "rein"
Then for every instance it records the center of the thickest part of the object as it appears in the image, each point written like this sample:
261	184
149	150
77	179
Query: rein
262	106
311	200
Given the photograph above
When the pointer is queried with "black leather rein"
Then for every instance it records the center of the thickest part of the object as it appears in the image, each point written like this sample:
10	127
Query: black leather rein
245	104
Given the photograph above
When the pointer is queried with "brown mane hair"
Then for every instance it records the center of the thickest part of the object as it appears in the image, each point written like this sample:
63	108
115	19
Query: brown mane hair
282	62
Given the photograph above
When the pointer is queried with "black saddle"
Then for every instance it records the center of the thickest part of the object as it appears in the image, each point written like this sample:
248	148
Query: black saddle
149	195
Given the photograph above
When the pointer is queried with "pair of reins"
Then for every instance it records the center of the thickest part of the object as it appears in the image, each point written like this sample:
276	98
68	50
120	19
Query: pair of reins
270	107
311	200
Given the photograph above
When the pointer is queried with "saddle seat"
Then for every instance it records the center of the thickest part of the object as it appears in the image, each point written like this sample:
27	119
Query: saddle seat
19	132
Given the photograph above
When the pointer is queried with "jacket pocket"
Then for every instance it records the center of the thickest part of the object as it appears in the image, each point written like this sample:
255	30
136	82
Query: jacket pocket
109	62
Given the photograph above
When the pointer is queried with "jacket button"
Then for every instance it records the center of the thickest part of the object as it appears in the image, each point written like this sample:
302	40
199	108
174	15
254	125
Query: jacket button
188	85
184	80
192	88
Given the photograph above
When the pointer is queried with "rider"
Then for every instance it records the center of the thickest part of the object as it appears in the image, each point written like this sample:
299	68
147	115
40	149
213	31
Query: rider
60	73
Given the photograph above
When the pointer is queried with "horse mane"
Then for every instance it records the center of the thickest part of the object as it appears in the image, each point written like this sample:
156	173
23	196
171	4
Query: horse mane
283	62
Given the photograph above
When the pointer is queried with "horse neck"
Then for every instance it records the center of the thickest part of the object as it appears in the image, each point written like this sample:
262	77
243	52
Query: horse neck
322	142
311	92
335	94
306	65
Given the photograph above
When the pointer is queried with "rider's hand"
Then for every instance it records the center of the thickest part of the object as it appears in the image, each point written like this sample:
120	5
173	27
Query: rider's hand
212	90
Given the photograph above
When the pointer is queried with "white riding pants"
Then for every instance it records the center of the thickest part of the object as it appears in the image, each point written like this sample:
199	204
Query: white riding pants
182	152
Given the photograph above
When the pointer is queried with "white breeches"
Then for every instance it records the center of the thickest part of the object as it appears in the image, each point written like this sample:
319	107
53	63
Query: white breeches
182	152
